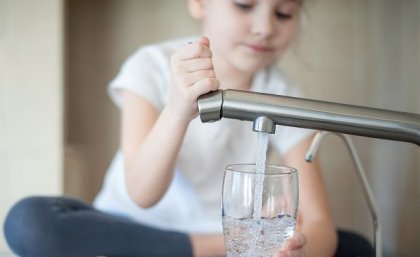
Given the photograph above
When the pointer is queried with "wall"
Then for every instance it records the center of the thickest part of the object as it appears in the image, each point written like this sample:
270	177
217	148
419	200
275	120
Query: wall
31	105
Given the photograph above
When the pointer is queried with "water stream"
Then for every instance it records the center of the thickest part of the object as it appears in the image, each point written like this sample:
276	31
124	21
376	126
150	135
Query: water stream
262	144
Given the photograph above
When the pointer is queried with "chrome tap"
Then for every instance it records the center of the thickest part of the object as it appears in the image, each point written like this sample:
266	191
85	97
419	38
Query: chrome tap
267	111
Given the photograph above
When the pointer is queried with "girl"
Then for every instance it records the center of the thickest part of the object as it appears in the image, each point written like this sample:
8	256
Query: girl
163	188
172	161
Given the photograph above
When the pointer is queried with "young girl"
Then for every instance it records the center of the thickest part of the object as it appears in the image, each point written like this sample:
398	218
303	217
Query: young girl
171	165
163	188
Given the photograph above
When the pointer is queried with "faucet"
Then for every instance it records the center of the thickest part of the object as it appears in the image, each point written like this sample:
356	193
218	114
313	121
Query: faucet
361	176
266	111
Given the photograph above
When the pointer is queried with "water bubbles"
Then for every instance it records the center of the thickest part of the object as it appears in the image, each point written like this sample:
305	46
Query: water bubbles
241	241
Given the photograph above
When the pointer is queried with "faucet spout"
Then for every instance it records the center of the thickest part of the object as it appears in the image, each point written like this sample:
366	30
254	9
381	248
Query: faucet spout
264	124
312	114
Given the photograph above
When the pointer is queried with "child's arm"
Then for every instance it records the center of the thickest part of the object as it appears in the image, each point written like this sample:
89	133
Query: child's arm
314	210
151	141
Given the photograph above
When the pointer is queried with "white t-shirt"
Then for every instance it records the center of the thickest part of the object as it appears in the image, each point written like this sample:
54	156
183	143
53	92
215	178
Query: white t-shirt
192	203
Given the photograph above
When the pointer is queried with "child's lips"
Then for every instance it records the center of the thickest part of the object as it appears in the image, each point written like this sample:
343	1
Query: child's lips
260	48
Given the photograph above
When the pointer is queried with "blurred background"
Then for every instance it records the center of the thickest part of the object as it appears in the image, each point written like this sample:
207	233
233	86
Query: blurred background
59	129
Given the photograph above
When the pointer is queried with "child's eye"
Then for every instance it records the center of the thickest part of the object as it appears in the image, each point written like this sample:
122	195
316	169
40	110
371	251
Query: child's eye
243	6
283	16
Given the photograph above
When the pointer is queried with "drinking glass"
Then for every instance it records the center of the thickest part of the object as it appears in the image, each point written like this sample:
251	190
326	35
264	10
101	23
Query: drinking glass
258	228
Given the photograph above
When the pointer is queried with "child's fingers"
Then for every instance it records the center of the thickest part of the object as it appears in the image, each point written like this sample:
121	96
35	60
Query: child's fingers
298	240
196	64
190	79
204	86
193	50
196	76
204	40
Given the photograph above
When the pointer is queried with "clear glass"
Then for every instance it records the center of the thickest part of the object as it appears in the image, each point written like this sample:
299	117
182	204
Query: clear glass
246	235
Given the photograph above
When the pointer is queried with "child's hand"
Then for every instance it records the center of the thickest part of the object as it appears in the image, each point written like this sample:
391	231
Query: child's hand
294	246
192	74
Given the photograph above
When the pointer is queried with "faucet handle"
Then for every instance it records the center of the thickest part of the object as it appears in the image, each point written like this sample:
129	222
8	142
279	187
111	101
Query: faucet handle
210	106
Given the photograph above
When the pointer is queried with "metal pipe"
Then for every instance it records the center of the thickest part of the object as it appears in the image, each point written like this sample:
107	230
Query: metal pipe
313	114
361	175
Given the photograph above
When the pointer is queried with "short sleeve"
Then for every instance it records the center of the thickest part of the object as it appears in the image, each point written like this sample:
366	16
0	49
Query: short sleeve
145	73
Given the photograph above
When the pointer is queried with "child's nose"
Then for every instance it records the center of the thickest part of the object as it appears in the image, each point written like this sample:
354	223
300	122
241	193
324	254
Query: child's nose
262	25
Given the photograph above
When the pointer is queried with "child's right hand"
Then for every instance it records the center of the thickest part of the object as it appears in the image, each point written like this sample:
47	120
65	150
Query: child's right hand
192	74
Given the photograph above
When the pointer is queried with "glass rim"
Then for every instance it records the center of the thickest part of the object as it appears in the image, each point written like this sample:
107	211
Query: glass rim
281	169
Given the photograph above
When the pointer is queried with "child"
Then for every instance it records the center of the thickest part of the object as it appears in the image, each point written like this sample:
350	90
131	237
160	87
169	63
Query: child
164	186
173	163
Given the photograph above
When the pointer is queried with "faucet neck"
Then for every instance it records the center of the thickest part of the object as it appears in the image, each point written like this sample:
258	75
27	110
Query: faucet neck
312	114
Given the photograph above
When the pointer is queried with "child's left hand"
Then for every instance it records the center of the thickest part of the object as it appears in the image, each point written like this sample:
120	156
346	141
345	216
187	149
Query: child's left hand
294	246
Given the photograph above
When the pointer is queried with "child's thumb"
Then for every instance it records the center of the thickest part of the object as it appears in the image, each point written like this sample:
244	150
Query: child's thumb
204	40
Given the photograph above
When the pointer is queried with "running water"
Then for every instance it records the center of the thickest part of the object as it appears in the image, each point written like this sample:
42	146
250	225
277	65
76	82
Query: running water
256	228
262	144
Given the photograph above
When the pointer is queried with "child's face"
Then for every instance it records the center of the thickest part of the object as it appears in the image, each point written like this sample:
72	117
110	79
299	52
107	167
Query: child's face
248	34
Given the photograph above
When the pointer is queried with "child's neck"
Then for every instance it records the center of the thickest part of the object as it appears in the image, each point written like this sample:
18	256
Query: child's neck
232	78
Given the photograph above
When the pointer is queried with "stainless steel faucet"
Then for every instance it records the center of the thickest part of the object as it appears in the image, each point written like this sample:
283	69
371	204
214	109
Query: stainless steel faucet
267	111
